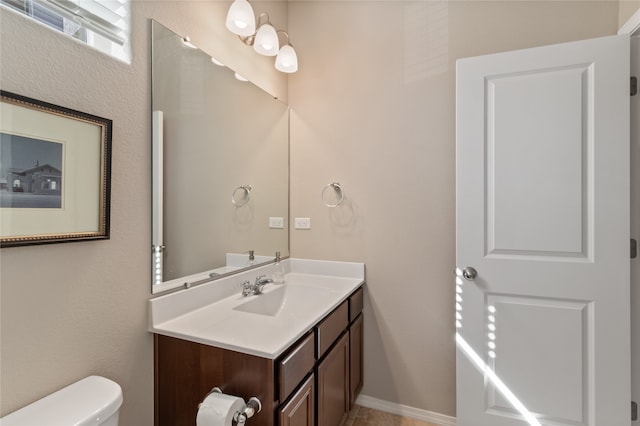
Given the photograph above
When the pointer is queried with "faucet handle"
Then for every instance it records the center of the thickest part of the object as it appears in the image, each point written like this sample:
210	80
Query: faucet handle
261	281
247	288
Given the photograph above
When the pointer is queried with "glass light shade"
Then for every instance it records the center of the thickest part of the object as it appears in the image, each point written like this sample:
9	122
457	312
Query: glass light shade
240	19
240	77
266	41
187	42
287	61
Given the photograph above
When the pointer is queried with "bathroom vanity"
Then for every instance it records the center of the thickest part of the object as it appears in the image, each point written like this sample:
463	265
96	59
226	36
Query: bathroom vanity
297	347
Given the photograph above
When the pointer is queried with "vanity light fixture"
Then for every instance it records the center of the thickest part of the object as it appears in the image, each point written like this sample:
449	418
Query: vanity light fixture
265	41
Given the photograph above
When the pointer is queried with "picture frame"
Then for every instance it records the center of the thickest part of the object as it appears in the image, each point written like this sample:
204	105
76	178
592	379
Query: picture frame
55	173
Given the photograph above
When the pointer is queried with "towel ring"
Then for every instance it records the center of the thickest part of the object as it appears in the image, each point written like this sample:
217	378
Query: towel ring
241	195
337	189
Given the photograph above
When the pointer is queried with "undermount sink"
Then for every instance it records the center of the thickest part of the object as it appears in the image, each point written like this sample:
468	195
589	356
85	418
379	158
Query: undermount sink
284	299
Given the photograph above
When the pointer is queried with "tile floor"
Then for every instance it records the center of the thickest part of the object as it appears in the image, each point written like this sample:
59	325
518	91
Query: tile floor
361	416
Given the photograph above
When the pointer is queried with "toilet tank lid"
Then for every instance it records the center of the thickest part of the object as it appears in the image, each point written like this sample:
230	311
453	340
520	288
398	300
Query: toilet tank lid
89	401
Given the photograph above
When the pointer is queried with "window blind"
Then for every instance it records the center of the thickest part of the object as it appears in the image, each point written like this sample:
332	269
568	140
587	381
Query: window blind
103	24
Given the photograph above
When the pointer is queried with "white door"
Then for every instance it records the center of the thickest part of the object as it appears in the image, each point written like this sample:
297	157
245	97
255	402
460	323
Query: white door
543	217
635	225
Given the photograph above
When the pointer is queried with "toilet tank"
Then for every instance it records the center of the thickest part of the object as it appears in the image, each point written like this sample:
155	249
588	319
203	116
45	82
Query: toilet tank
91	401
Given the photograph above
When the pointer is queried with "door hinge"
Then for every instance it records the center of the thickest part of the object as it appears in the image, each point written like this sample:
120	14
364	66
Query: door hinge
634	248
634	411
634	86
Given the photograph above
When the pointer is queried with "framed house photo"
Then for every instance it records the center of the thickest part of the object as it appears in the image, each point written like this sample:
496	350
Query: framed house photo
55	172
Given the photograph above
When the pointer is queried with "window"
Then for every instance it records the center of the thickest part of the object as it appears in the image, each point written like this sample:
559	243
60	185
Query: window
103	24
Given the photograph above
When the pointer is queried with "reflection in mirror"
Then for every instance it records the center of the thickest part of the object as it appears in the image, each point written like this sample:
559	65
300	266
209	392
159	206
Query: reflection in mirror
220	164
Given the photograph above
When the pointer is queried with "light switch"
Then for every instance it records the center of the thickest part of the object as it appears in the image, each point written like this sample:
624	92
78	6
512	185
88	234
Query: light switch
276	222
303	223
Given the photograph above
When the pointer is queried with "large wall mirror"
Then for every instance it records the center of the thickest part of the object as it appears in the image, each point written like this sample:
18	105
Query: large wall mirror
220	167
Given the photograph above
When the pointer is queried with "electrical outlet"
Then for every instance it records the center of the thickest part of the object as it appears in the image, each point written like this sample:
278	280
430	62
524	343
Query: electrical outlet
303	223
276	222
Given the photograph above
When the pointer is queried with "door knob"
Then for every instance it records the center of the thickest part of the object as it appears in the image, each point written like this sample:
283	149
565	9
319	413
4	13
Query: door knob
469	273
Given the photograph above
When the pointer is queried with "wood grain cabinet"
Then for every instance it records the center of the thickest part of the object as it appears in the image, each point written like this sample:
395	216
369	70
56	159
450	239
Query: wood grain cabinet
333	384
313	383
356	340
300	410
356	343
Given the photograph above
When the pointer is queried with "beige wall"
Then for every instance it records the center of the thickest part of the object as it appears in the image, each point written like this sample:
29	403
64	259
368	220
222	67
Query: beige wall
71	310
373	108
626	9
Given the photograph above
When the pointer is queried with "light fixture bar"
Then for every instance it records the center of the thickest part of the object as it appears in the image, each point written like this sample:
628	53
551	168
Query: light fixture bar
265	41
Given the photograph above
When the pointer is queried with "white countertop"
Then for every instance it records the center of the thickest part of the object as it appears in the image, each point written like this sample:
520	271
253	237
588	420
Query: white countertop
215	313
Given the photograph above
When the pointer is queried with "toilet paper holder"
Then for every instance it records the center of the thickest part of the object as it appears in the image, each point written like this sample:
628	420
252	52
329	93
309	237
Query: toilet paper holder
250	408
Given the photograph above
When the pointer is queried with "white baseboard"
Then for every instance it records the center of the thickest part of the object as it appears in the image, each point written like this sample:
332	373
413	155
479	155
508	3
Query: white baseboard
404	410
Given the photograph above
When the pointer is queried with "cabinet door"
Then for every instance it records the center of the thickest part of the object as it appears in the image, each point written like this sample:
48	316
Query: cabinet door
333	385
356	340
299	410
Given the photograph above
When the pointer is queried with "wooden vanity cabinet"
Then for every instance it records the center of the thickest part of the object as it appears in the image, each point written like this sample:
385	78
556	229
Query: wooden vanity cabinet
185	372
314	382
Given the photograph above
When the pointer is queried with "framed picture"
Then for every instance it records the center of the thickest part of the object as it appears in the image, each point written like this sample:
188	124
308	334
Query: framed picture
55	173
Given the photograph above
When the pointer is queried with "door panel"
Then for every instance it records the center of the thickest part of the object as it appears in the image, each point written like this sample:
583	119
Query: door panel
559	324
543	216
524	136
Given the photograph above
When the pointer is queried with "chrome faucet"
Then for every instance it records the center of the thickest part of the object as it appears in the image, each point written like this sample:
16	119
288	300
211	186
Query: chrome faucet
261	281
249	289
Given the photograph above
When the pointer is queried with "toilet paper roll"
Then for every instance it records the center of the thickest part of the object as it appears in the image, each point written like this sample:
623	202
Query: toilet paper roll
218	409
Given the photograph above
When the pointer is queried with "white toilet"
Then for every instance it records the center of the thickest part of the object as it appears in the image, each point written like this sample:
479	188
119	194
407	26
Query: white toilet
91	401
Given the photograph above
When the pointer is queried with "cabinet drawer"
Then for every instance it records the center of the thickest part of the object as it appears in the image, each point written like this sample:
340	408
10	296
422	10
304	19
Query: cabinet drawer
331	327
295	365
355	304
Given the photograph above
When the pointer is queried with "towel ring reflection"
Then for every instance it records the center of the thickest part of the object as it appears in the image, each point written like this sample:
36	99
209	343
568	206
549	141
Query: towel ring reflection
241	195
338	191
